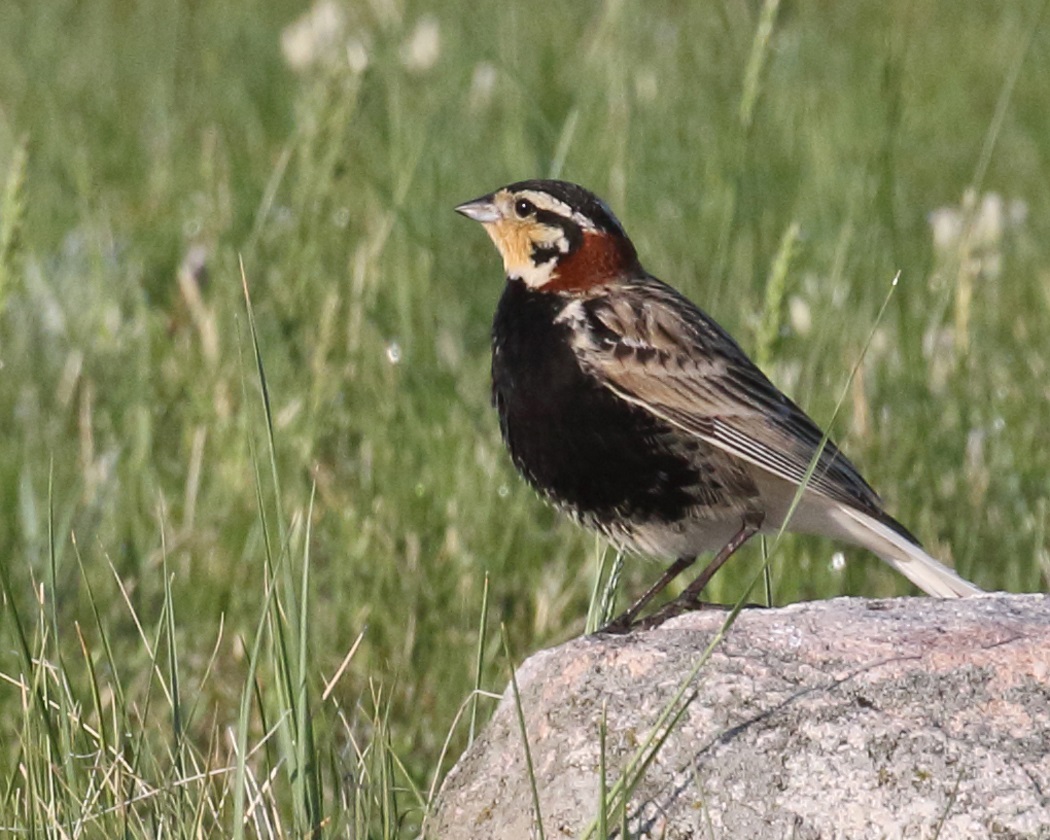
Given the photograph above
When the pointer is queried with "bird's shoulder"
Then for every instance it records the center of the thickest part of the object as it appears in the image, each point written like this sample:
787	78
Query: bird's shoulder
647	327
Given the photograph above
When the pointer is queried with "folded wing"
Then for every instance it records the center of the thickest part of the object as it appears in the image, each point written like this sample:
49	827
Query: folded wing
656	349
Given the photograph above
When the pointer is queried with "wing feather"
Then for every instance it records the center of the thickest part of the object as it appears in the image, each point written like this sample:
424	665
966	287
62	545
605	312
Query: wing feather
656	349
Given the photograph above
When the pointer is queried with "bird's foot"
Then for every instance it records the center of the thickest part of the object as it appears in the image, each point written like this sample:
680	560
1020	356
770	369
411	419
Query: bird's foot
672	609
625	623
619	626
675	608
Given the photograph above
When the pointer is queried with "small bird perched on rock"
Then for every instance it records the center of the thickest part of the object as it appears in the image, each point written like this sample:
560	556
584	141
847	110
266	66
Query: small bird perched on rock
631	410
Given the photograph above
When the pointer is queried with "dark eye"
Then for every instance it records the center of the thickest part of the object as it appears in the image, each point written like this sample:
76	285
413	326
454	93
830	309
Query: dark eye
523	207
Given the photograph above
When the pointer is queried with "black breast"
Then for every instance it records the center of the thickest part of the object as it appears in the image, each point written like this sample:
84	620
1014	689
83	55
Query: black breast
576	442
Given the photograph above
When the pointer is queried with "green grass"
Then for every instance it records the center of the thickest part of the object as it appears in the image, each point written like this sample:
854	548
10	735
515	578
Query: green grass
185	571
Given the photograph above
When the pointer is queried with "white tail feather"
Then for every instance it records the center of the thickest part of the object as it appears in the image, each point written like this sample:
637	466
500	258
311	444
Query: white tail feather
930	575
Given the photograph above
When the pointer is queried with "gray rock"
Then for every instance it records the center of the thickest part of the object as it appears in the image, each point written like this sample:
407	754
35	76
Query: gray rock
904	718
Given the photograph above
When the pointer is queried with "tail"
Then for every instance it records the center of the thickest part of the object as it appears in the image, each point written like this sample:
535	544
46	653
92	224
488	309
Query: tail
905	555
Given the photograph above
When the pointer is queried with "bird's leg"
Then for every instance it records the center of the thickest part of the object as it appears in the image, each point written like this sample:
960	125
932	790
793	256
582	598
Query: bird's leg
690	597
750	526
622	623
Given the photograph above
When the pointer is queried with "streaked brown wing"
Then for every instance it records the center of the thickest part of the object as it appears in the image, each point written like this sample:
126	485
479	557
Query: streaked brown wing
655	348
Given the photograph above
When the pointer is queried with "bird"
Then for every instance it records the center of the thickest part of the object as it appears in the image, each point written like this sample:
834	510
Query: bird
633	411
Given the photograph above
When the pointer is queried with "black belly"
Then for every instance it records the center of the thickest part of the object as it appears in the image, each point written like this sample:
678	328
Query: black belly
576	442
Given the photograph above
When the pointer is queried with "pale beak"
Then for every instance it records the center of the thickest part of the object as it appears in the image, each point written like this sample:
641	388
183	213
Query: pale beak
481	210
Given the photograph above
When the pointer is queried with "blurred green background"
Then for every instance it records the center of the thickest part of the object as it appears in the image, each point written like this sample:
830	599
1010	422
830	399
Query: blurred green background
149	149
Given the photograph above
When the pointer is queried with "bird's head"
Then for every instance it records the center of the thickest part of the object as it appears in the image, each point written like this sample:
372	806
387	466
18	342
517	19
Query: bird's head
554	236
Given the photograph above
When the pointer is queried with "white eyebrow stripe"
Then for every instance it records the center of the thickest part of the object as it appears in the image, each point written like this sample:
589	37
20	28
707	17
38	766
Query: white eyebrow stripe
545	201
